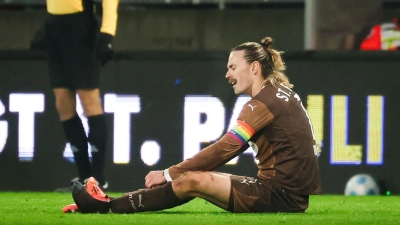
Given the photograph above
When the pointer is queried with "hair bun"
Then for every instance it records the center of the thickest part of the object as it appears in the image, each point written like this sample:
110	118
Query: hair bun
266	45
266	42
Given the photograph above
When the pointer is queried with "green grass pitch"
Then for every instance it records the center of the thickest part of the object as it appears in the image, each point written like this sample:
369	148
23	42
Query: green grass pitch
45	208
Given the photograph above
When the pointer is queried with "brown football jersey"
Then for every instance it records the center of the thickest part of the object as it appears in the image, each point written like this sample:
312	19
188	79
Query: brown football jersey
276	125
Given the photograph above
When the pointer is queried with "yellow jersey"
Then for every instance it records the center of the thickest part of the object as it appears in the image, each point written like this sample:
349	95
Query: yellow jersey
110	11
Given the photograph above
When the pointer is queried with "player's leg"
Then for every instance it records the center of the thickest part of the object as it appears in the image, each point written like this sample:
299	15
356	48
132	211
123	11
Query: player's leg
210	186
97	136
233	193
65	103
86	80
86	77
73	129
68	58
213	187
91	103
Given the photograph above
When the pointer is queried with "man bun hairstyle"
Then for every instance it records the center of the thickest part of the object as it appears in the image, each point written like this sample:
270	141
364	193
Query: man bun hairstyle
272	64
276	75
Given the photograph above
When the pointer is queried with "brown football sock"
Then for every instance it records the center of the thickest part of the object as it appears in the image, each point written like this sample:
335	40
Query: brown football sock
147	200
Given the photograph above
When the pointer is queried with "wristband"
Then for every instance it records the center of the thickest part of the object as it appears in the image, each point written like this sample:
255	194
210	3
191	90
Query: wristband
166	175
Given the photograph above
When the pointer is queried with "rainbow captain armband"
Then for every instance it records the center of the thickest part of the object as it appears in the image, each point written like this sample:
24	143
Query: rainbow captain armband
241	132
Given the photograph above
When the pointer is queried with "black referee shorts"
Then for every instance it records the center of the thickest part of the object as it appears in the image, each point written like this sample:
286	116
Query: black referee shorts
70	44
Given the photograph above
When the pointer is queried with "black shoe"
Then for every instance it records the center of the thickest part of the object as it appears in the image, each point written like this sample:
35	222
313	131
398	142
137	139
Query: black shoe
98	203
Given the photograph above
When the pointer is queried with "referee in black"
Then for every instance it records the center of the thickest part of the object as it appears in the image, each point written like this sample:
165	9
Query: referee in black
78	45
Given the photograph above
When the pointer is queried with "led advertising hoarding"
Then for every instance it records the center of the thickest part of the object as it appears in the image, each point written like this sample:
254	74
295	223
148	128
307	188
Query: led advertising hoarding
163	107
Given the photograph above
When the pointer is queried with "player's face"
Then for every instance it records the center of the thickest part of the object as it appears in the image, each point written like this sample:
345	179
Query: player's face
239	73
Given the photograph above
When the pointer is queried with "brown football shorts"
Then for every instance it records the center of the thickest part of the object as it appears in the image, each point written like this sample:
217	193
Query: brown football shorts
250	195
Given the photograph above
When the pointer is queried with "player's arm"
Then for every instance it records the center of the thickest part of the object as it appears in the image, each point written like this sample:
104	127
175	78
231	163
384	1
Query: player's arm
210	157
250	120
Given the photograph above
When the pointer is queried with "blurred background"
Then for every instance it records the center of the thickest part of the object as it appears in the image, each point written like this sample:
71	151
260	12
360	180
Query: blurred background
172	54
194	25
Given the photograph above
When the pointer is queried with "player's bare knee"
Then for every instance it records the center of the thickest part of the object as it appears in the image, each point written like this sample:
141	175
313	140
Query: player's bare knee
189	182
198	179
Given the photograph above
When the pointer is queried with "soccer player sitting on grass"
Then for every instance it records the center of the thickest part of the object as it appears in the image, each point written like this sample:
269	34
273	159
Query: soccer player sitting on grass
274	123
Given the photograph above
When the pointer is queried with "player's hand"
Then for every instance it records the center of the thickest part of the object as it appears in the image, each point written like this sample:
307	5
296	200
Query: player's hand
104	48
155	178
